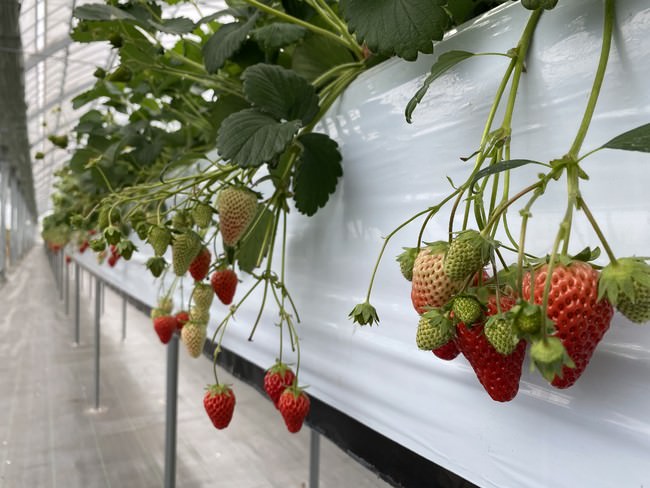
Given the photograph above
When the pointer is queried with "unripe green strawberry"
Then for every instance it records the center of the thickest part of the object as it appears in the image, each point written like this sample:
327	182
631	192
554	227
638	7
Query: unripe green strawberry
467	254
467	309
200	316
237	208
626	284
203	296
406	261
500	334
182	220
202	215
434	330
638	310
159	238
526	318
193	336
166	304
184	249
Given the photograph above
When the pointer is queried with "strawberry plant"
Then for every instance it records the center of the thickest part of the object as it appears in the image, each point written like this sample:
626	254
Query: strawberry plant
561	303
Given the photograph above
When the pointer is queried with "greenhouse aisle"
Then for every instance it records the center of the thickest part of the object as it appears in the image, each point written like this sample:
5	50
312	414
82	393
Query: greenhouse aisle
52	437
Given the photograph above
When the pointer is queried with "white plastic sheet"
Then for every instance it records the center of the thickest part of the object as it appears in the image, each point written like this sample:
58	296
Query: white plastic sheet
595	434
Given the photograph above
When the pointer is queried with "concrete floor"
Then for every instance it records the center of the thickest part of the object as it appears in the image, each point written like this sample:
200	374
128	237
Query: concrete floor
50	435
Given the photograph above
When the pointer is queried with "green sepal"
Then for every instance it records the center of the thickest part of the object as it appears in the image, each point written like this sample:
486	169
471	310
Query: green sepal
126	248
621	279
549	356
156	266
112	234
97	245
406	261
364	314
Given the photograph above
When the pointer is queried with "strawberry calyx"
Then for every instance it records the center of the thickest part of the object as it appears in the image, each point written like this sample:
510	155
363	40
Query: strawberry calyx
364	314
219	389
527	319
406	261
625	282
549	356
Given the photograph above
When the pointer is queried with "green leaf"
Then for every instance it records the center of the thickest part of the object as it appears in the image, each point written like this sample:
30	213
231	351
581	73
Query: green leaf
501	166
255	245
226	42
280	92
249	138
316	55
179	25
317	172
97	11
225	106
633	140
401	27
279	34
445	62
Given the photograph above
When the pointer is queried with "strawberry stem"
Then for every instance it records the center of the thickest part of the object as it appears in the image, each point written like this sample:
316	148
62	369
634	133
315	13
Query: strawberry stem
582	205
608	28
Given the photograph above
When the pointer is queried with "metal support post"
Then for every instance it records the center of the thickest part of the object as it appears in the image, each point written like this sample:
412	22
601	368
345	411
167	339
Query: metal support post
77	292
171	415
124	316
98	285
67	288
20	221
4	190
314	458
14	220
61	265
103	298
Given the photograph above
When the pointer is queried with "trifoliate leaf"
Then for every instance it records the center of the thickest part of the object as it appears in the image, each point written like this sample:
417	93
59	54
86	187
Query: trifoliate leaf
96	11
250	138
633	140
401	27
179	25
277	35
256	242
445	62
226	42
317	54
280	92
317	172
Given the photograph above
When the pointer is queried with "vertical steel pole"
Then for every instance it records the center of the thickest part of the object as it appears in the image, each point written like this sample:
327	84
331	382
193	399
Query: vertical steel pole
171	415
77	292
124	316
98	285
4	189
103	298
314	458
61	264
13	254
67	288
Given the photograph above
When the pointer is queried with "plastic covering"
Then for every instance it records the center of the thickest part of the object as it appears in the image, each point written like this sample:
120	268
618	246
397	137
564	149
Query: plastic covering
595	434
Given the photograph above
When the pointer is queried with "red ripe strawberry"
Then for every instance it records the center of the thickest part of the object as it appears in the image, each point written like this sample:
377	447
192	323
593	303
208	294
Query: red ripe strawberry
294	407
182	318
498	374
112	260
68	259
224	284
219	403
447	352
200	264
165	327
276	380
84	245
581	320
430	285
